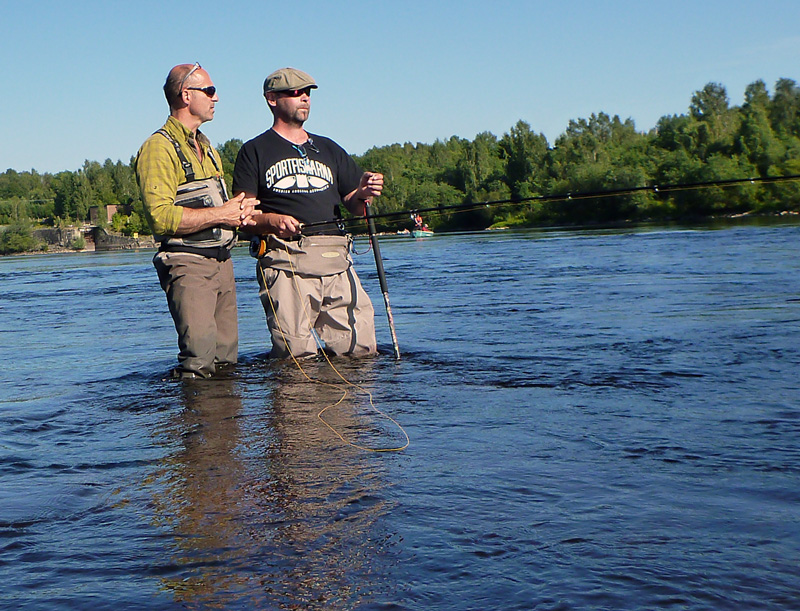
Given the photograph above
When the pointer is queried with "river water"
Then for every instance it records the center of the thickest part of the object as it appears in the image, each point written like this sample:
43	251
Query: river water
597	420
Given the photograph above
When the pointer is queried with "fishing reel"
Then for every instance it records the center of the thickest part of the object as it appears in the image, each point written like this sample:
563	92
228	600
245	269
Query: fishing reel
258	247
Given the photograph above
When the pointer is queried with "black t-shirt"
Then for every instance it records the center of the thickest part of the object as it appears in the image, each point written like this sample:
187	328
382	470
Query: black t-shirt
305	181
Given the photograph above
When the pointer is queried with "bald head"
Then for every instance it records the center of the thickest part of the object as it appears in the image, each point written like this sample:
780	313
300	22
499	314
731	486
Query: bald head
180	75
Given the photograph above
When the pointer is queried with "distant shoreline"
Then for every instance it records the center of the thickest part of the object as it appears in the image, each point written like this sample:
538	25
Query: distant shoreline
776	216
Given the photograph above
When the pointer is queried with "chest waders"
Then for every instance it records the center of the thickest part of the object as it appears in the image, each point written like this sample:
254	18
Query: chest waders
215	242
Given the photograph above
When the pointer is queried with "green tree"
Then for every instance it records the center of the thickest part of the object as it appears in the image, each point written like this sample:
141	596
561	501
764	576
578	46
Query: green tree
101	182
784	110
228	152
596	155
717	122
713	141
118	222
85	197
756	140
12	185
677	132
524	154
125	186
65	188
136	224
18	237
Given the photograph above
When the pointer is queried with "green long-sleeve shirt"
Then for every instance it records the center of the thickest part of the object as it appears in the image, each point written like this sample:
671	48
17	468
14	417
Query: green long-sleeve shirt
159	173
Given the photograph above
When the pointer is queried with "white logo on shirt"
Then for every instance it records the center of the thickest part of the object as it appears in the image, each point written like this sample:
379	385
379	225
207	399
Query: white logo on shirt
298	175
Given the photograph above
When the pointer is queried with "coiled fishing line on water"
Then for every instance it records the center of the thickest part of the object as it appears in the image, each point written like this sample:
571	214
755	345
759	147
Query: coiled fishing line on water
346	383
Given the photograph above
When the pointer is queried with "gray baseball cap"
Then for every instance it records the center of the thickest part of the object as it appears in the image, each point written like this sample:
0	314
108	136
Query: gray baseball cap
286	79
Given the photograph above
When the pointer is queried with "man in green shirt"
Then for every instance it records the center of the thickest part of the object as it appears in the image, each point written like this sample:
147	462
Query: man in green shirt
183	188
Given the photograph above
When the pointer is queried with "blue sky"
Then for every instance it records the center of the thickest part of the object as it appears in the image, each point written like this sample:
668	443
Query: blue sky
82	80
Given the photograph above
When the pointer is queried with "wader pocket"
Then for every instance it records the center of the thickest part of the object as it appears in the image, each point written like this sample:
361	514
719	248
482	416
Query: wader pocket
206	193
312	256
199	194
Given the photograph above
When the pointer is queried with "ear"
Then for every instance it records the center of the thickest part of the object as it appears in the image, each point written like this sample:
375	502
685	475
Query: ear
271	98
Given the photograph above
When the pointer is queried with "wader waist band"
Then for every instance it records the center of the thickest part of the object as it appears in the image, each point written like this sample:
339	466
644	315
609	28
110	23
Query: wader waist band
220	253
308	234
310	256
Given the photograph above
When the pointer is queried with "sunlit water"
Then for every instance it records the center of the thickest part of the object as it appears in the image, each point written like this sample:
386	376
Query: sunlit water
598	420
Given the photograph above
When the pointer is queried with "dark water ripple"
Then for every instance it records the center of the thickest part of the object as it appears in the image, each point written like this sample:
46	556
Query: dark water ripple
598	420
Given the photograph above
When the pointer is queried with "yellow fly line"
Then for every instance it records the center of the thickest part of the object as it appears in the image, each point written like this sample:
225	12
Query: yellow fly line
346	382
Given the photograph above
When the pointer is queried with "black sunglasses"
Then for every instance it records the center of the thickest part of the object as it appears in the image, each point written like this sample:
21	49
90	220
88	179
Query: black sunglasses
209	91
296	93
301	148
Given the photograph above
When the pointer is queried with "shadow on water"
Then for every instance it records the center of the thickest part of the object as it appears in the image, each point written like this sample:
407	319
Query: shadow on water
262	505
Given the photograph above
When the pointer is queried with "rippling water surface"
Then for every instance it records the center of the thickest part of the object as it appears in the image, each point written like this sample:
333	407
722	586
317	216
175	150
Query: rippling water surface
598	420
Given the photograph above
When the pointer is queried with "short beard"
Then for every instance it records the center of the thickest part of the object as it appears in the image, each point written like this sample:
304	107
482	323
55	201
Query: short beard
296	119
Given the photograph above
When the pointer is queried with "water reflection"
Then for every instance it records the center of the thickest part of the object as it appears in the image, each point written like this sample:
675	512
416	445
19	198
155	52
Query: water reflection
266	506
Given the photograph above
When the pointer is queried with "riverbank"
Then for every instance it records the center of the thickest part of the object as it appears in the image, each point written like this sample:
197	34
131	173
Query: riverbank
89	238
97	239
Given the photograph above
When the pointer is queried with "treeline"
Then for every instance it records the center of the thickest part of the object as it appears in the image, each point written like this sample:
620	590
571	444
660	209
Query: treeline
66	198
28	198
713	141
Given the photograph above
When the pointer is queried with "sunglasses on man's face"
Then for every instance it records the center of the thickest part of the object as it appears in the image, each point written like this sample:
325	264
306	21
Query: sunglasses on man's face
296	93
209	91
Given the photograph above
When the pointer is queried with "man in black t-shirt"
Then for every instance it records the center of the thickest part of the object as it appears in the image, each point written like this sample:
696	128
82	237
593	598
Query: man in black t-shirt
308	285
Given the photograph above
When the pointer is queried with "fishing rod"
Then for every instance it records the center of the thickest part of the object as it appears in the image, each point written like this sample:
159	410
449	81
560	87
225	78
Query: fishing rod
370	217
376	249
661	189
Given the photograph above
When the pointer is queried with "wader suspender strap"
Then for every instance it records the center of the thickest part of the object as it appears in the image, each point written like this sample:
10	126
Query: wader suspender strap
221	253
188	170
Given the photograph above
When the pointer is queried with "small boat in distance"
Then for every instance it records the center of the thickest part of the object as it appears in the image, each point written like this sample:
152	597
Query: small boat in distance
421	229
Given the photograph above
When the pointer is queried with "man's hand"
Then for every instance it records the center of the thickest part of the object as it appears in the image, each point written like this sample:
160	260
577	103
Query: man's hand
282	225
249	215
238	211
370	186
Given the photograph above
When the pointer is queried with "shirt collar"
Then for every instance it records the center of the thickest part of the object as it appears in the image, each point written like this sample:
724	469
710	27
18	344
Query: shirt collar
185	133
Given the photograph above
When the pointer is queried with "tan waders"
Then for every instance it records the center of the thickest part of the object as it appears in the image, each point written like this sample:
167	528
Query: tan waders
310	284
